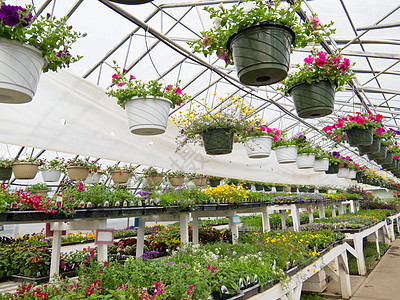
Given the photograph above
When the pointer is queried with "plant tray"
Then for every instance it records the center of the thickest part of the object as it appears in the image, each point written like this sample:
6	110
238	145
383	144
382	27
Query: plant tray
40	280
131	211
209	206
171	209
16	216
152	210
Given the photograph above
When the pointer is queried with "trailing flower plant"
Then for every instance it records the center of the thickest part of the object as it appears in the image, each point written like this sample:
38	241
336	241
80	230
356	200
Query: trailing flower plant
228	21
6	163
54	164
125	88
52	37
255	128
297	140
77	162
321	66
360	120
232	113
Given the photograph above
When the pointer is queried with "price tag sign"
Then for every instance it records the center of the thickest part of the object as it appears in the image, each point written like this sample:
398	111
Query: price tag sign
235	219
104	237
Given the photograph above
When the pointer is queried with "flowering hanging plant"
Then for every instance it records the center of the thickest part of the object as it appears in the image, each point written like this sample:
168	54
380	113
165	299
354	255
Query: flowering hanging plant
232	113
50	36
228	21
360	120
6	163
254	128
304	145
297	140
125	88
321	66
54	164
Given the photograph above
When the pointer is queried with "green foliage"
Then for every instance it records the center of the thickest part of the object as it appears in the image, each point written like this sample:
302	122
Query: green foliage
36	187
6	163
52	37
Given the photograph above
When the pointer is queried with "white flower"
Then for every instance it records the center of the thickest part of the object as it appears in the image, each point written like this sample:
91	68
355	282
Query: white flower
248	6
217	22
284	6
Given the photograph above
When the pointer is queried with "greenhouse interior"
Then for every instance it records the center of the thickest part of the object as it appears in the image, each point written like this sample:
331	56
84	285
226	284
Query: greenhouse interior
205	149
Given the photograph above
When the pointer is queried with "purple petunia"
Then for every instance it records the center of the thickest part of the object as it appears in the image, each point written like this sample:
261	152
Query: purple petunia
10	15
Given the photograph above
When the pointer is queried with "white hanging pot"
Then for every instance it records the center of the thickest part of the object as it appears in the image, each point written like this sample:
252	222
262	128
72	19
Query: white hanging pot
321	165
305	161
343	173
258	147
286	154
352	174
21	66
93	178
51	175
147	116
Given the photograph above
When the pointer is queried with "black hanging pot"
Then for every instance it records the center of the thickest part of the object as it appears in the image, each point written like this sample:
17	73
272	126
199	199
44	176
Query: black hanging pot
374	148
333	169
313	100
218	140
214	182
386	162
261	53
5	173
360	137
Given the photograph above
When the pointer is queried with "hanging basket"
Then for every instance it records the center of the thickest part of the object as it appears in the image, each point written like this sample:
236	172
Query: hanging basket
313	100
352	174
177	180
392	166
21	66
261	53
120	176
77	173
305	161
214	182
51	175
343	173
380	155
258	147
286	154
321	165
200	181
386	162
218	140
93	178
155	180
25	170
360	137
5	173
148	116
375	147
333	169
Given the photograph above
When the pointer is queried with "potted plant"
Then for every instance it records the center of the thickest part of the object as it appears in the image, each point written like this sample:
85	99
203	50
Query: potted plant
321	163
38	189
78	169
305	152
95	172
152	176
357	130
198	179
176	178
5	169
147	104
334	162
285	149
214	181
279	187
121	174
51	170
344	170
257	138
313	84
29	46
214	129
257	38
25	168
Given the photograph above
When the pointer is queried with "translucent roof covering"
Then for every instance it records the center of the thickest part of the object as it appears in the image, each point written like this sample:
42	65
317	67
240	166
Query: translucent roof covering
150	41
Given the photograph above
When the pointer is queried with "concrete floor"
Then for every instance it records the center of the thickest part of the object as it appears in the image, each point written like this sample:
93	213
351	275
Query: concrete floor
381	283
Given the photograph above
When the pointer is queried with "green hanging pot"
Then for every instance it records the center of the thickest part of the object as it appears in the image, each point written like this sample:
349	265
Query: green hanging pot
261	53
218	140
333	169
313	100
386	162
360	137
380	155
5	173
214	182
374	148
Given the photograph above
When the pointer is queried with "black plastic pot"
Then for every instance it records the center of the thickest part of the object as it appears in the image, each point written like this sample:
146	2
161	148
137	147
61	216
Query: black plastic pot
259	187
313	100
360	137
279	188
375	147
333	169
214	182
261	53
5	173
218	141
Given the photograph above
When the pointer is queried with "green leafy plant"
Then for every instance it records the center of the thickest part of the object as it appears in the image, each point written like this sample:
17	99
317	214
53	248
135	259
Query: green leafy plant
37	187
77	162
228	21
6	163
52	37
320	66
54	164
124	89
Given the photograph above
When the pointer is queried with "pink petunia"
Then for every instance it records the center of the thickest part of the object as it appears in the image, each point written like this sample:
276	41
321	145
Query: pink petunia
335	60
178	91
169	87
361	121
120	84
222	54
131	77
206	42
124	70
115	76
339	125
314	22
269	130
276	138
309	60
